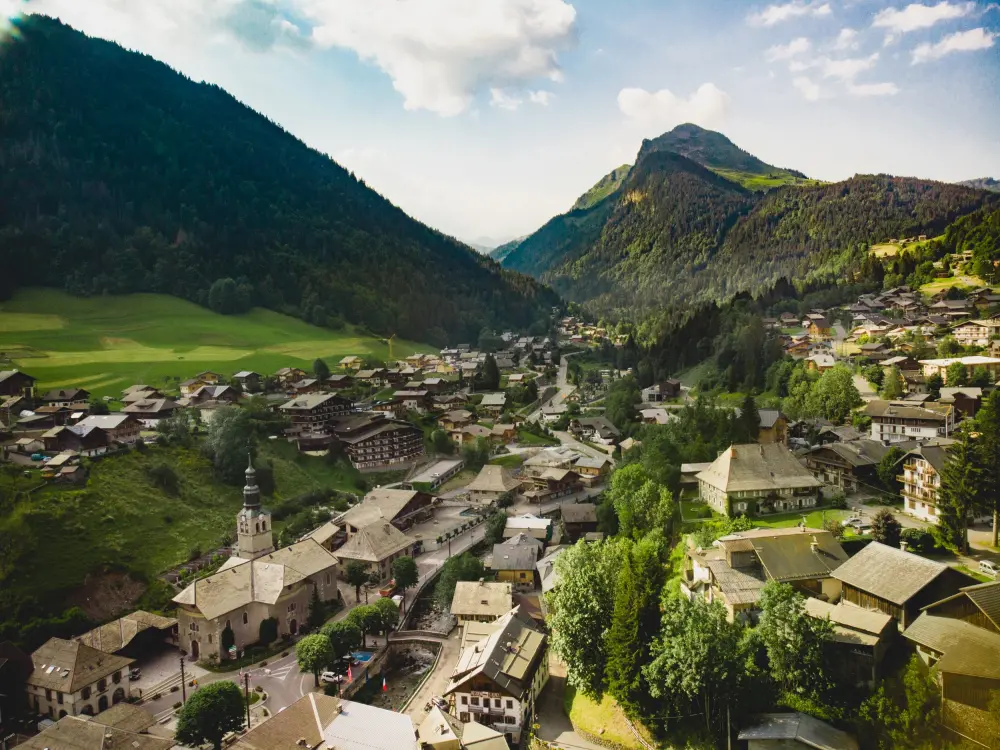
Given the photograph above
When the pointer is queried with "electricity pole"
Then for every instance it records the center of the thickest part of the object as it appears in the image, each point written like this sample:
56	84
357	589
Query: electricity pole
183	682
246	691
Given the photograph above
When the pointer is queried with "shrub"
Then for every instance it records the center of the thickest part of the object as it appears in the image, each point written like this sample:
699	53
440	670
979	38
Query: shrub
177	705
839	501
284	654
163	476
157	696
918	540
264	663
194	553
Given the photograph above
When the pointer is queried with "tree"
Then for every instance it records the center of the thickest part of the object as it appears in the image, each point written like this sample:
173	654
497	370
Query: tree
227	639
905	714
441	442
934	385
834	395
405	573
388	614
749	420
792	640
464	567
962	489
988	424
956	375
321	370
230	438
581	609
640	503
223	297
620	401
948	346
874	374
491	374
317	611
894	386
98	407
267	633
980	378
885	528
887	469
367	618
494	527
356	574
314	654
477	453
344	637
210	714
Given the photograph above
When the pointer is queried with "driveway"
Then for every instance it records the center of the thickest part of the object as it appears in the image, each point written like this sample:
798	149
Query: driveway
562	383
553	723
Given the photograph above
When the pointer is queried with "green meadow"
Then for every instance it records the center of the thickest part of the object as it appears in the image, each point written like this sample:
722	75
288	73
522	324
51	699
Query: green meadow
105	344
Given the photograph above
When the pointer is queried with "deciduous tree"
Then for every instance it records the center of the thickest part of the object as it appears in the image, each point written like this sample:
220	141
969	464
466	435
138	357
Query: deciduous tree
367	618
356	574
893	386
886	528
230	438
314	654
211	713
344	637
321	370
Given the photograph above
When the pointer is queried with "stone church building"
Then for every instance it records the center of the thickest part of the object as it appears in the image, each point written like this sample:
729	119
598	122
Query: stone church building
257	583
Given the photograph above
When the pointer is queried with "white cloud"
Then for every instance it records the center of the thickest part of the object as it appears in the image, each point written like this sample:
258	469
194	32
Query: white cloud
507	100
844	69
540	97
787	51
806	87
847	39
439	53
775	14
661	110
962	41
873	89
916	16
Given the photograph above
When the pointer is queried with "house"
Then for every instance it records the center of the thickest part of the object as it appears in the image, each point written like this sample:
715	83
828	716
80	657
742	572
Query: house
689	475
861	638
119	428
819	326
552	414
249	381
735	569
471	433
898	421
533	526
152	410
132	635
754	478
86	441
654	416
788	319
959	636
494	403
552	484
376	546
306	385
71	398
416	400
820	362
905	365
351	363
481	601
773	427
578	519
503	433
596	429
977	332
456	420
592	470
187	387
940	366
664	391
436	474
896	582
493	484
846	464
211	395
121	726
921	478
16	383
288	375
373	442
514	560
442	731
321	722
401	508
501	670
966	400
556	457
255	584
329	536
375	378
71	679
314	414
394	408
339	382
794	730
874	350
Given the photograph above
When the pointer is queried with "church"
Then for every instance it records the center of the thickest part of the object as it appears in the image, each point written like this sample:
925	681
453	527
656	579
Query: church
257	583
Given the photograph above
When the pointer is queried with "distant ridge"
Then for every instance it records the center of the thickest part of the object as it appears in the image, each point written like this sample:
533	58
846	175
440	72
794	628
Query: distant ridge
983	183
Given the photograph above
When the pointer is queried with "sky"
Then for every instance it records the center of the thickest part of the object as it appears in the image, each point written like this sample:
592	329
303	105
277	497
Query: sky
485	118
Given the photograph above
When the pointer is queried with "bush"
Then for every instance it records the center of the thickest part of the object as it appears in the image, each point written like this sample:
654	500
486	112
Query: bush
163	476
839	500
918	540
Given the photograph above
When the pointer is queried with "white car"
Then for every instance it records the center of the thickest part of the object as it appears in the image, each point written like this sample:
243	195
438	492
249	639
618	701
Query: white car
330	677
853	520
989	568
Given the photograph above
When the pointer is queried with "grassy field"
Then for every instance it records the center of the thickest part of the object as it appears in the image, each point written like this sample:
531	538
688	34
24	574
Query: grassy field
510	461
753	181
814	520
104	344
961	281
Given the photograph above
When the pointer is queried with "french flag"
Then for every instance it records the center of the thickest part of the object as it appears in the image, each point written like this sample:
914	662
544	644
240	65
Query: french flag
385	688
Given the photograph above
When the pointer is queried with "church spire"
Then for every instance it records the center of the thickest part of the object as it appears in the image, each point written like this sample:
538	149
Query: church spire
251	492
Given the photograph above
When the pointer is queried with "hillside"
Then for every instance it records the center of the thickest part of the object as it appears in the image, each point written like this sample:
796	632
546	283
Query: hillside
979	234
604	187
500	253
983	183
677	233
121	176
105	344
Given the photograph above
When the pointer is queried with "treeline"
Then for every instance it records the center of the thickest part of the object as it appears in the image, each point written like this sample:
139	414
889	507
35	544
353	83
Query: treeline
979	234
120	175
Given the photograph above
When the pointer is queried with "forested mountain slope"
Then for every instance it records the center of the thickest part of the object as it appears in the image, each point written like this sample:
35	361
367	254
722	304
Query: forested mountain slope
979	234
120	175
604	187
984	183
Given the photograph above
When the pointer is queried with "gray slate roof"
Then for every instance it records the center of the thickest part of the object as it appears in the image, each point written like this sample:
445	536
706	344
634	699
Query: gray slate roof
889	573
799	728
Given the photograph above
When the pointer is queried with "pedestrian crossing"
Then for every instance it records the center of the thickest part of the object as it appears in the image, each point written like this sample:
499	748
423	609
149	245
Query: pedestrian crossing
279	673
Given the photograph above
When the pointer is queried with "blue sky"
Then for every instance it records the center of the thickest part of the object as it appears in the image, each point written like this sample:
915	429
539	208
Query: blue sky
484	118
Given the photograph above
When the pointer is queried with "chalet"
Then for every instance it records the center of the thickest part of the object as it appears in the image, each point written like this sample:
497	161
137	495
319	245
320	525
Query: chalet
208	377
552	484
376	546
16	383
736	568
441	731
71	398
977	332
596	429
351	363
373	442
86	441
921	478
288	375
211	395
861	638
959	636
306	385
896	582
401	508
773	427
953	309
898	421
513	561
754	478
394	408
494	403
537	528
818	326
578	519
71	679
471	433
249	381
940	366
788	319
501	670
654	416
846	464
436	385
966	400
794	731
493	484
49	416
481	601
552	414
905	364
456	420
820	362
339	382
591	470
119	428
417	400
314	414
329	536
664	391
377	378
503	433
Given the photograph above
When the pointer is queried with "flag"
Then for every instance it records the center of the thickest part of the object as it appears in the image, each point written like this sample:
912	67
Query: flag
385	688
350	677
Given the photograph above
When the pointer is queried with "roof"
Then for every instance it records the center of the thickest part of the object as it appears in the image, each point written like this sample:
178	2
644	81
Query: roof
768	417
324	721
375	543
966	649
851	624
127	717
517	553
857	453
694	468
948	394
308	401
986	596
81	733
104	421
117	634
899	410
805	555
579	513
586	462
970	361
323	534
492	478
440	727
528	521
482	598
757	468
737	586
68	666
546	568
379	505
936	454
154	405
505	655
889	573
493	399
801	728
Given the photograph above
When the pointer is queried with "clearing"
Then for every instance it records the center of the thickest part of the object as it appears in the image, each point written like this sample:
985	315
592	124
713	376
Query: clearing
104	344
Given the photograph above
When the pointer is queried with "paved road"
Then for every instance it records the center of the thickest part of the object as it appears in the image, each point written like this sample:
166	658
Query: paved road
553	724
564	386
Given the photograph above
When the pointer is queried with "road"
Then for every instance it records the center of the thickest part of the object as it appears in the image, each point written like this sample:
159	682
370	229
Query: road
564	386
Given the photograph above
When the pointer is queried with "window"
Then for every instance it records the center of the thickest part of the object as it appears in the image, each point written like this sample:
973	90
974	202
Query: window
116	677
102	685
59	698
246	618
510	703
465	700
464	718
496	703
210	638
510	720
48	694
291	607
85	693
475	701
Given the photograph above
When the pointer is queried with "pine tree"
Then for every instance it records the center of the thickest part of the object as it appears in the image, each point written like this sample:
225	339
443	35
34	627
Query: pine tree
988	424
624	650
893	386
961	491
750	418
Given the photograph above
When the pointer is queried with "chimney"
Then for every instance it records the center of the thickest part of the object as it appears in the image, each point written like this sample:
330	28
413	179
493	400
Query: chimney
814	544
301	742
903	544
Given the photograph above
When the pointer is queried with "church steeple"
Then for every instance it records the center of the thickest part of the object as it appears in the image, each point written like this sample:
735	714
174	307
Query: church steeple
251	492
253	523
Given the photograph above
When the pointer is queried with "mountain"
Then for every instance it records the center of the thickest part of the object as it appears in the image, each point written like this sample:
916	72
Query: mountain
604	187
679	231
983	183
120	175
500	252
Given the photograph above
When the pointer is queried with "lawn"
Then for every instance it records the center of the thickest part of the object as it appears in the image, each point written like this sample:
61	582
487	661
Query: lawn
975	574
961	281
814	519
104	344
528	438
604	720
690	510
510	461
457	482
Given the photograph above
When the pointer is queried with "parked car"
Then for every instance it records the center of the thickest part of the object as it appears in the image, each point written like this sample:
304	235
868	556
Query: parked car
440	702
389	589
135	673
330	677
852	520
989	568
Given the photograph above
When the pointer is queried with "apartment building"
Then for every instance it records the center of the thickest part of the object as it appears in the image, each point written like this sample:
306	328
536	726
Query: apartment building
373	442
314	413
921	479
898	421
